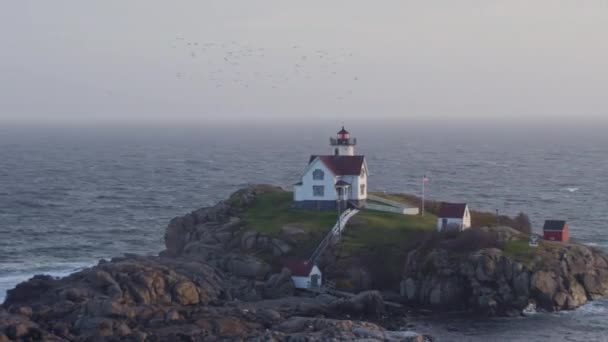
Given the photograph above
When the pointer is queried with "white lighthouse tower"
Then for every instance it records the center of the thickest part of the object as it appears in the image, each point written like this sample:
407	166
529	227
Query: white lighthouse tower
343	144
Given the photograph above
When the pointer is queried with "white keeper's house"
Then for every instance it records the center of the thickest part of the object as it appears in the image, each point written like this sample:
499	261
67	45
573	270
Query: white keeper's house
339	178
453	216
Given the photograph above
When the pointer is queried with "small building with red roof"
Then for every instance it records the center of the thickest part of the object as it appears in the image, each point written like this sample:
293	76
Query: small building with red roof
453	216
336	179
556	230
305	275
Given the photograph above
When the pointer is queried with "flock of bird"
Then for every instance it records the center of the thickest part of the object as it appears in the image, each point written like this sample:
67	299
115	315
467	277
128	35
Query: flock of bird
234	65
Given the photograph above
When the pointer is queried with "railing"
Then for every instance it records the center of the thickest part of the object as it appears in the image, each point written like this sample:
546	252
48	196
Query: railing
334	234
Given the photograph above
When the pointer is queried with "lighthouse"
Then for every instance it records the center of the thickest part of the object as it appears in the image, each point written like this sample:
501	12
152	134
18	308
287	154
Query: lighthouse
343	144
335	180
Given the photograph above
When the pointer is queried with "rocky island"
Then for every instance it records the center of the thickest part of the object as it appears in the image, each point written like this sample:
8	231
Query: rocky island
220	278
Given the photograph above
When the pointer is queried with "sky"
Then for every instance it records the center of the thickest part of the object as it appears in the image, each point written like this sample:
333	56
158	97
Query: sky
74	61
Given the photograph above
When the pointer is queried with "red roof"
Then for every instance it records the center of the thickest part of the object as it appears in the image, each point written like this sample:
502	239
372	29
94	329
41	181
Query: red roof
342	165
298	268
452	210
342	183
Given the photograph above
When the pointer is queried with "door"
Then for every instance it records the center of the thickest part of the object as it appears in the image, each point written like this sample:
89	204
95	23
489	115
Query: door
314	281
444	224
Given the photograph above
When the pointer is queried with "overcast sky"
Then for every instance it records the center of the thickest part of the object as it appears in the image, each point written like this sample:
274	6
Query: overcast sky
237	61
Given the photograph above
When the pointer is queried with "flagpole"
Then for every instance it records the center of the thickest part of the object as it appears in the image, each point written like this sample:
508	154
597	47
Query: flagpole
423	195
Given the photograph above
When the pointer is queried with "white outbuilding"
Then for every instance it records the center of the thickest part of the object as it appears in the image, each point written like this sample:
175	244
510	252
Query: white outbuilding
329	180
305	275
453	216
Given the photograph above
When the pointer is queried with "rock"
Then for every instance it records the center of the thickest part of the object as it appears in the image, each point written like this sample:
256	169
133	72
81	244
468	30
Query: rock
521	284
278	285
556	276
108	308
410	289
33	288
544	287
280	247
172	316
365	303
61	329
293	234
18	330
21	310
269	317
185	293
122	329
249	267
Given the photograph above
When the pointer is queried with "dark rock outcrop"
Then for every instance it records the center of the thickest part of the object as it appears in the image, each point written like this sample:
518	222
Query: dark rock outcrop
555	276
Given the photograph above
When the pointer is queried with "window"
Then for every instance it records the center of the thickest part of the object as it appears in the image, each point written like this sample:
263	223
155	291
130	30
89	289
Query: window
362	189
318	174
318	190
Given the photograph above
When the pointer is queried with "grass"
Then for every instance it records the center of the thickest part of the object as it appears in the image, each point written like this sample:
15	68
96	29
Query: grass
400	198
273	210
382	240
376	228
521	250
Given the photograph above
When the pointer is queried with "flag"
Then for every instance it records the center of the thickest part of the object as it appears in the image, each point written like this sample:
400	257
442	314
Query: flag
425	179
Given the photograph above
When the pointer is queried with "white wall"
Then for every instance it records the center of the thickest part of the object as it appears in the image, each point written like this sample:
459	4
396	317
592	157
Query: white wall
466	224
304	282
343	150
357	182
301	282
304	192
451	221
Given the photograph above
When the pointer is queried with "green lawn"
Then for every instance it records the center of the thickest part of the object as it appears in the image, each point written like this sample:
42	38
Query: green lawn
401	198
521	250
273	210
375	228
383	240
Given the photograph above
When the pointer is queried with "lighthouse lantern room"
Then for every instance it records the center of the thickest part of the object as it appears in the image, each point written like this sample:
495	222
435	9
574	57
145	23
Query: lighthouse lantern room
343	144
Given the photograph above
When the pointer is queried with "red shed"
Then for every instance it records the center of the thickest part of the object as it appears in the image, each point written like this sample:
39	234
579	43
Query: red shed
555	230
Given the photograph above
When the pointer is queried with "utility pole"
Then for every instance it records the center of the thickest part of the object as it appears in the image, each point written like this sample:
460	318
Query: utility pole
424	180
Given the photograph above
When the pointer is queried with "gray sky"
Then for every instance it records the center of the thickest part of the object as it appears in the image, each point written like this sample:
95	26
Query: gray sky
237	61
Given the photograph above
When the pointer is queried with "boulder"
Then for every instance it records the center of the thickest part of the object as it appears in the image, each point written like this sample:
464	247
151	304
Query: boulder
278	285
368	303
293	234
185	293
543	286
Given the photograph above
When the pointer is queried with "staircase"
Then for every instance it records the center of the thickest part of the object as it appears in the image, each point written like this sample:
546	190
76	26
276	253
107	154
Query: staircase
334	234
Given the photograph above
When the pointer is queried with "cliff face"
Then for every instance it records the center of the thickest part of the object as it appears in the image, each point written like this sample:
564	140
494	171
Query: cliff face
505	279
204	286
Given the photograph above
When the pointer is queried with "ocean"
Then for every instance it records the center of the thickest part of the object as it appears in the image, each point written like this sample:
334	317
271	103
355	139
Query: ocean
70	196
